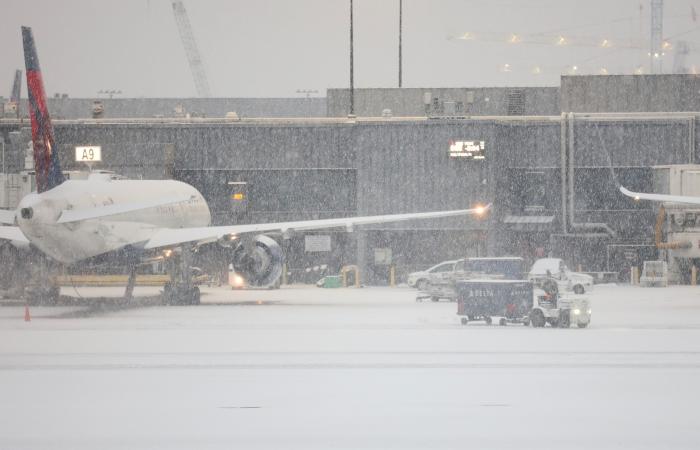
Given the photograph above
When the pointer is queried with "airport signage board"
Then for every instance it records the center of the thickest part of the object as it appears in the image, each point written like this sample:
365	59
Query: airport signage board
317	243
91	153
474	150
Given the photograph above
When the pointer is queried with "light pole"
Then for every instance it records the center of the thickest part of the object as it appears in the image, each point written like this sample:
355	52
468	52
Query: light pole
352	87
400	33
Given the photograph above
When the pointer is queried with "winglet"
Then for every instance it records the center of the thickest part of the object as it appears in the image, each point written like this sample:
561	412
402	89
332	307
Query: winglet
46	165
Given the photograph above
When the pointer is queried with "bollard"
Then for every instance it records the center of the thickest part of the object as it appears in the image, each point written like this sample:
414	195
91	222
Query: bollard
392	276
693	275
634	275
284	273
579	268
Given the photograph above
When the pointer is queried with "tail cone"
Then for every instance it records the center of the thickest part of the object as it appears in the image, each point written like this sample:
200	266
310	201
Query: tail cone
27	316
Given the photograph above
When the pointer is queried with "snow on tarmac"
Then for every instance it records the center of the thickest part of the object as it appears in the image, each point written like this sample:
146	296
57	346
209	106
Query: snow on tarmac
305	368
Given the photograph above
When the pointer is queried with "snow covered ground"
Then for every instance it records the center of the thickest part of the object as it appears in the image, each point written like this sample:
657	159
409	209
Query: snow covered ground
305	368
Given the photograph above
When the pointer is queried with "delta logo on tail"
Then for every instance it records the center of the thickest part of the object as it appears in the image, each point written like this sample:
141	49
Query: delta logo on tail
46	165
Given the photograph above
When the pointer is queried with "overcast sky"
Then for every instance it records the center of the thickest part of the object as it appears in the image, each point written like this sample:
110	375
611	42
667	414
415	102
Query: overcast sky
272	48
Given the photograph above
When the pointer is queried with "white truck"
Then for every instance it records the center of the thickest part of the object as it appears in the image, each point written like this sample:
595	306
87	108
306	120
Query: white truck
420	279
555	269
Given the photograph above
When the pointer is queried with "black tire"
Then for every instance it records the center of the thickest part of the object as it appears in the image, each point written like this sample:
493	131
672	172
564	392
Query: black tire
464	321
52	294
488	320
582	324
578	289
502	322
168	294
434	299
564	319
537	318
421	284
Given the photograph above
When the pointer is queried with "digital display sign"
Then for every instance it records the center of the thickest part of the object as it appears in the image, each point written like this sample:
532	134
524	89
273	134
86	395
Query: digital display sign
475	150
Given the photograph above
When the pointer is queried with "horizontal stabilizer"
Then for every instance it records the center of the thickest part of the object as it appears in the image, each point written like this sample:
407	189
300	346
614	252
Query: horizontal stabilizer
7	216
13	234
170	236
661	197
76	215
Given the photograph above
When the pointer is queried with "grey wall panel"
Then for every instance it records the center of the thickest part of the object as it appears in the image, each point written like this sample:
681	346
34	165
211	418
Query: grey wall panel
630	93
410	101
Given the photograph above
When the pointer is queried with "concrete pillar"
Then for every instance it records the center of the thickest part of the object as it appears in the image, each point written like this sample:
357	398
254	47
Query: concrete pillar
693	275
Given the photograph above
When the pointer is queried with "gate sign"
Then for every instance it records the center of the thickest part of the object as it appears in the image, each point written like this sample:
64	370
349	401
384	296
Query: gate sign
468	150
88	154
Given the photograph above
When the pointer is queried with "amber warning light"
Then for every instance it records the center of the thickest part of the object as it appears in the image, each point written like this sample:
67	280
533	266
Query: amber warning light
238	196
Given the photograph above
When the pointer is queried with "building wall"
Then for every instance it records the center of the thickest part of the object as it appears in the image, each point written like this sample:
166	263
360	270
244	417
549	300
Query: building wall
410	102
329	168
630	93
81	108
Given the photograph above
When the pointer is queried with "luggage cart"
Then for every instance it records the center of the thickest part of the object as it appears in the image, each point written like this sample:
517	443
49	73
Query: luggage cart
486	300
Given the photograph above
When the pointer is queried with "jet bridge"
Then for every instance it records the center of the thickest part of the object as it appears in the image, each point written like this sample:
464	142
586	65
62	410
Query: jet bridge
677	228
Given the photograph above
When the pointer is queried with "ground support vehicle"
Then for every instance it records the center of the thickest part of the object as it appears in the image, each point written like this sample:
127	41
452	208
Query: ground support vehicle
420	280
555	269
443	285
557	310
489	299
654	273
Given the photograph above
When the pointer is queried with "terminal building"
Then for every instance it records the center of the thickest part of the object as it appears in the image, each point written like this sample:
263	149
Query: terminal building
544	162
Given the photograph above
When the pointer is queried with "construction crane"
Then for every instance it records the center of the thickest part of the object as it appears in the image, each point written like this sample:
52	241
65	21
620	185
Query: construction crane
193	57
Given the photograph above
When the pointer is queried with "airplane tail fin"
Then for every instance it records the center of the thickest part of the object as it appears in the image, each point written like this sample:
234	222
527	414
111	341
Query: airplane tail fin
16	87
46	165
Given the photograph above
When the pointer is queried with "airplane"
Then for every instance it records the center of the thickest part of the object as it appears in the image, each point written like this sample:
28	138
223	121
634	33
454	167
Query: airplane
71	221
661	197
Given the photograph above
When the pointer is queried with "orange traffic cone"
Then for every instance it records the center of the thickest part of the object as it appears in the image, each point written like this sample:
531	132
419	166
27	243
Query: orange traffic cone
27	316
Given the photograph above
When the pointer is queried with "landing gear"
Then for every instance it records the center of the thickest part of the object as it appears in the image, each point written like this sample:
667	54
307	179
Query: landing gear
181	289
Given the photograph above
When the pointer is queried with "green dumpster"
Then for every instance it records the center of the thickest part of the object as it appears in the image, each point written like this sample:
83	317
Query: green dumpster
330	281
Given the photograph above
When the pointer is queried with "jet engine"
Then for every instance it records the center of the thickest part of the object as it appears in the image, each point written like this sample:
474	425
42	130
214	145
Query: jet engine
259	262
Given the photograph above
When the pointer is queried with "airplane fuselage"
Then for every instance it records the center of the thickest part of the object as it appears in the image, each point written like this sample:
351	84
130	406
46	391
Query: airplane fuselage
38	215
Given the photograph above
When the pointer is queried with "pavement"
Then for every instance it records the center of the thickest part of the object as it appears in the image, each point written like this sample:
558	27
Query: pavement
303	367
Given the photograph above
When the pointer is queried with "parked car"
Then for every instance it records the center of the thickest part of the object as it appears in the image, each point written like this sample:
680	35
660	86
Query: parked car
554	268
420	279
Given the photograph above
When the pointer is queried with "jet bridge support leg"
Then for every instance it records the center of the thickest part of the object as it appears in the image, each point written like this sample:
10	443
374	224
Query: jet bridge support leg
181	289
129	293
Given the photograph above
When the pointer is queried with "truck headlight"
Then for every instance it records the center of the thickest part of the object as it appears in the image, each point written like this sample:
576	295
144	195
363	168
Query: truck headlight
589	311
577	312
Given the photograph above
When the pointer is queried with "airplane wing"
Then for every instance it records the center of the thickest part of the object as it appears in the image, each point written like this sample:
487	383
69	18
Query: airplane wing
7	216
661	197
76	215
173	236
13	234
